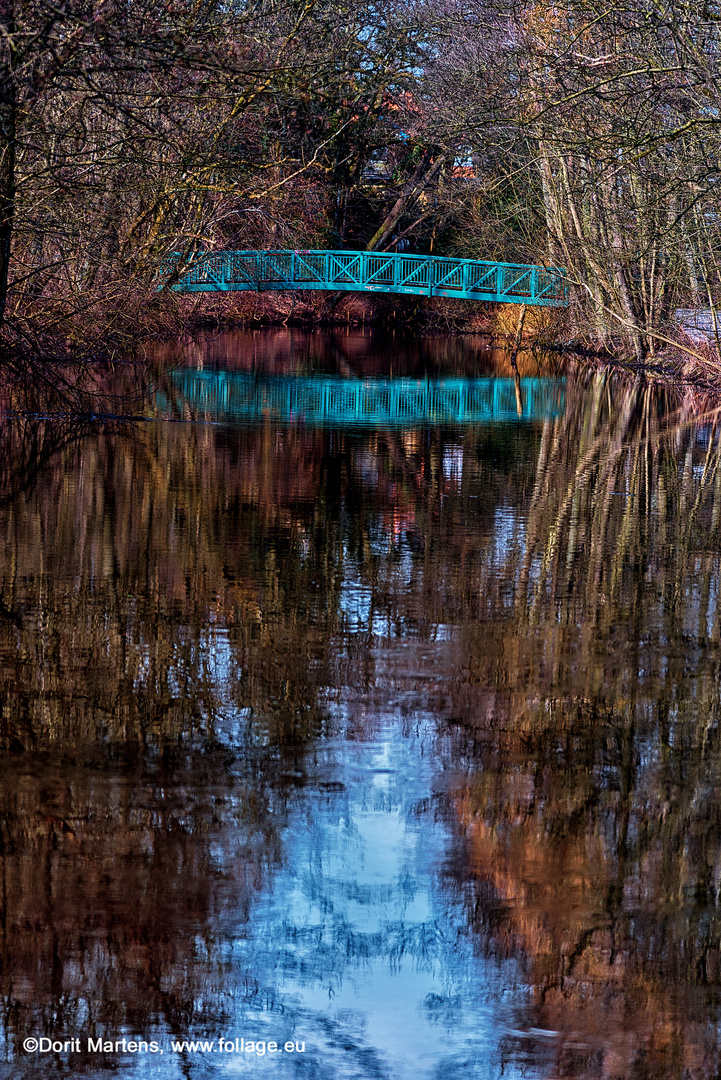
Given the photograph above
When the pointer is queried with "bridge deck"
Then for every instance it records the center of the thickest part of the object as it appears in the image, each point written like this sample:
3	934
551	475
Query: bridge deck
368	271
220	396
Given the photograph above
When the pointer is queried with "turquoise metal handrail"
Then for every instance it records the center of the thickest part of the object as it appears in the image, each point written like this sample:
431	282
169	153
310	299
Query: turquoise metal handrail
366	271
220	396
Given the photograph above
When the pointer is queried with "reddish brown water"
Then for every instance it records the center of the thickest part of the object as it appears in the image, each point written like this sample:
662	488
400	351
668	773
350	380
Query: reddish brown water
398	744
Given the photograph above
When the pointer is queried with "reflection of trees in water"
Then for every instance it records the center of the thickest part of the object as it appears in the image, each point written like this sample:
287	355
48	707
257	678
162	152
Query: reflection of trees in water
352	353
117	880
592	805
130	567
161	579
174	610
27	446
142	613
170	596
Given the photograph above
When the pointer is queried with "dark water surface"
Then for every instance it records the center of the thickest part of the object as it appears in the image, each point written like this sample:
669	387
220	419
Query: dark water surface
398	742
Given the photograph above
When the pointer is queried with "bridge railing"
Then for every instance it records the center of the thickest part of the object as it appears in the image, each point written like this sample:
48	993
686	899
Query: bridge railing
368	271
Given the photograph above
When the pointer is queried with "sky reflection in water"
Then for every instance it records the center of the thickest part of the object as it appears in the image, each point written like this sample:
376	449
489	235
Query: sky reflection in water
401	743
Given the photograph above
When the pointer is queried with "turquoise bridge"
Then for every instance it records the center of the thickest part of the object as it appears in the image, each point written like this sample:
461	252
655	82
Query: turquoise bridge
366	271
221	397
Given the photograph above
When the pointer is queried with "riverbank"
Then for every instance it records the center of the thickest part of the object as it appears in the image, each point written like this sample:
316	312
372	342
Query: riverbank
437	315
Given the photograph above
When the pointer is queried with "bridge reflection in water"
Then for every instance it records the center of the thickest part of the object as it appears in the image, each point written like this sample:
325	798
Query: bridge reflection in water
220	395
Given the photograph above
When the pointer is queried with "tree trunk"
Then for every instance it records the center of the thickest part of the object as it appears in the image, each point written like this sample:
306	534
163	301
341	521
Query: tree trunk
413	188
8	148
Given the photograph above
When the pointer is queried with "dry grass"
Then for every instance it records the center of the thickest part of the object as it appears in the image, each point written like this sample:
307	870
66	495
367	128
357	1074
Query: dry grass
541	324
